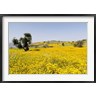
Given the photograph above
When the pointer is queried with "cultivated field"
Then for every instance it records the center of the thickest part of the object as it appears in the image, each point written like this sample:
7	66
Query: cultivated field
56	60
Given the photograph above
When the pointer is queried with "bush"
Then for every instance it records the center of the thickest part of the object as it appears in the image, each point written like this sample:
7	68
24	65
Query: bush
78	44
63	44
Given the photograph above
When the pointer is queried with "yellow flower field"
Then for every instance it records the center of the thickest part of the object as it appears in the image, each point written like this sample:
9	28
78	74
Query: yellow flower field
56	60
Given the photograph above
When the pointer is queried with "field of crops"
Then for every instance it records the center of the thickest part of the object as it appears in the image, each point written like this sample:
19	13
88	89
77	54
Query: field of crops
55	60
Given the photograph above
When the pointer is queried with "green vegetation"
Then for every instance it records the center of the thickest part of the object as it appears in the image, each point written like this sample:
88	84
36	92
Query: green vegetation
23	42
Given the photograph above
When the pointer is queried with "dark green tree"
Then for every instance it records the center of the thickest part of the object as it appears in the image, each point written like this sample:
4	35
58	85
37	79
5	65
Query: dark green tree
19	45
28	37
15	41
23	42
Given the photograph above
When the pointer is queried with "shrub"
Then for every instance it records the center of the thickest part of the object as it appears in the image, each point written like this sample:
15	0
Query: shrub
78	44
63	44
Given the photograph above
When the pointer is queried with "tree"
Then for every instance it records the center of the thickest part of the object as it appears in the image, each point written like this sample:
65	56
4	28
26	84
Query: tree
15	41
19	45
78	44
28	37
23	42
63	44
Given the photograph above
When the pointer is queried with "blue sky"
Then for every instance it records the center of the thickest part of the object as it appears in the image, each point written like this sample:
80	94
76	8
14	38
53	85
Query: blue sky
43	31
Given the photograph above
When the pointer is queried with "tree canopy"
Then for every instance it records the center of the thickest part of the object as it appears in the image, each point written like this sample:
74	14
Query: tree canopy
23	42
